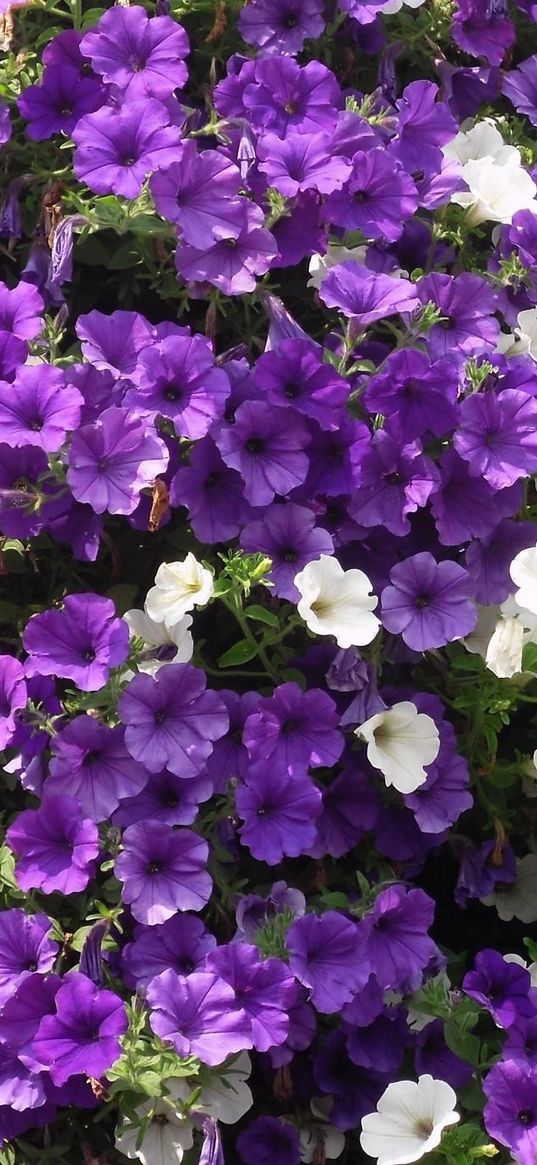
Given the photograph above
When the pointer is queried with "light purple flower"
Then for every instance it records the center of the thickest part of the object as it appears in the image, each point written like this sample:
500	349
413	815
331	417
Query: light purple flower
25	947
285	96
231	264
21	309
39	408
424	126
395	481
113	459
364	296
116	149
55	847
497	436
428	602
295	729
510	1114
281	25
139	54
199	1015
80	642
467	323
267	446
200	192
181	943
264	989
181	382
520	86
377	198
59	102
212	493
294	375
288	535
90	762
114	342
301	162
394	937
163	871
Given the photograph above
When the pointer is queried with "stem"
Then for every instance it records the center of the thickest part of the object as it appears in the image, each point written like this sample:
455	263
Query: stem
233	603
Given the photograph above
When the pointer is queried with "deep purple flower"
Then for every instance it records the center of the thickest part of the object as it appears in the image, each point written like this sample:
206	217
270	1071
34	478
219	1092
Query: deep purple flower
55	847
114	342
267	446
364	296
118	148
482	28
301	162
501	987
294	729
171	720
13	352
254	911
181	943
163	871
80	642
264	989
212	493
285	96
167	798
324	956
111	460
467	324
229	757
140	55
521	1043
267	1140
520	86
395	481
13	696
39	408
58	103
510	1114
428	602
294	375
181	382
25	947
278	809
21	309
481	869
199	1015
336	460
424	126
83	1036
394	939
433	1056
281	26
415	395
90	762
200	192
231	264
288	535
376	200
445	794
350	809
467	507
497	436
381	1044
23	1011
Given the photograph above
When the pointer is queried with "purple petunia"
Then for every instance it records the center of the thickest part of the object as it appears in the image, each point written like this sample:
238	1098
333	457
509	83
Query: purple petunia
264	989
55	847
199	1014
364	296
13	696
163	871
520	86
394	937
510	1114
59	102
181	382
289	536
324	956
294	729
90	762
139	54
395	481
171	720
499	986
80	642
116	149
114	458
281	25
467	324
267	446
268	1139
231	264
25	947
181	943
278	809
82	1037
295	376
200	192
497	436
212	493
301	162
39	408
284	96
377	199
21	309
428	602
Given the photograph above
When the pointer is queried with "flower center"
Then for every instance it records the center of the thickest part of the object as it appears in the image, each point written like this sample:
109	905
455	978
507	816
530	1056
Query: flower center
88	655
288	555
37	424
254	445
154	868
525	1117
422	601
171	392
291	391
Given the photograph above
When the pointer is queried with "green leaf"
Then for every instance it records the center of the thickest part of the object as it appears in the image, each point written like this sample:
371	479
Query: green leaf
261	615
128	255
241	652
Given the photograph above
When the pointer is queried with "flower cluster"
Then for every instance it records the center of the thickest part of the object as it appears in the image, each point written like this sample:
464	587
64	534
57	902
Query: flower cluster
268	547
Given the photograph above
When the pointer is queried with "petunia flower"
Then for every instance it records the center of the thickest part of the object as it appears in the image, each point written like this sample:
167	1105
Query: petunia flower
55	846
21	309
337	602
281	25
278	809
80	642
233	263
139	54
13	696
264	988
180	381
324	956
199	1015
39	409
25	948
83	1036
163	871
301	162
400	742
167	1129
113	459
181	943
377	198
267	446
179	587
510	1114
364	296
212	493
428	602
294	729
294	375
57	104
268	1139
89	761
116	149
199	191
409	1120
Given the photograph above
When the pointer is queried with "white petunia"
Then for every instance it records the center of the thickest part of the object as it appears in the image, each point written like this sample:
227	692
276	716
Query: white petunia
167	1136
337	602
482	140
526	330
400	742
523	571
504	651
179	587
517	899
225	1095
409	1120
320	1142
157	636
479	638
495	192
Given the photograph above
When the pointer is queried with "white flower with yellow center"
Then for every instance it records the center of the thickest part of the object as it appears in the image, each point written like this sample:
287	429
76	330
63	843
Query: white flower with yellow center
409	1120
179	587
337	602
400	742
